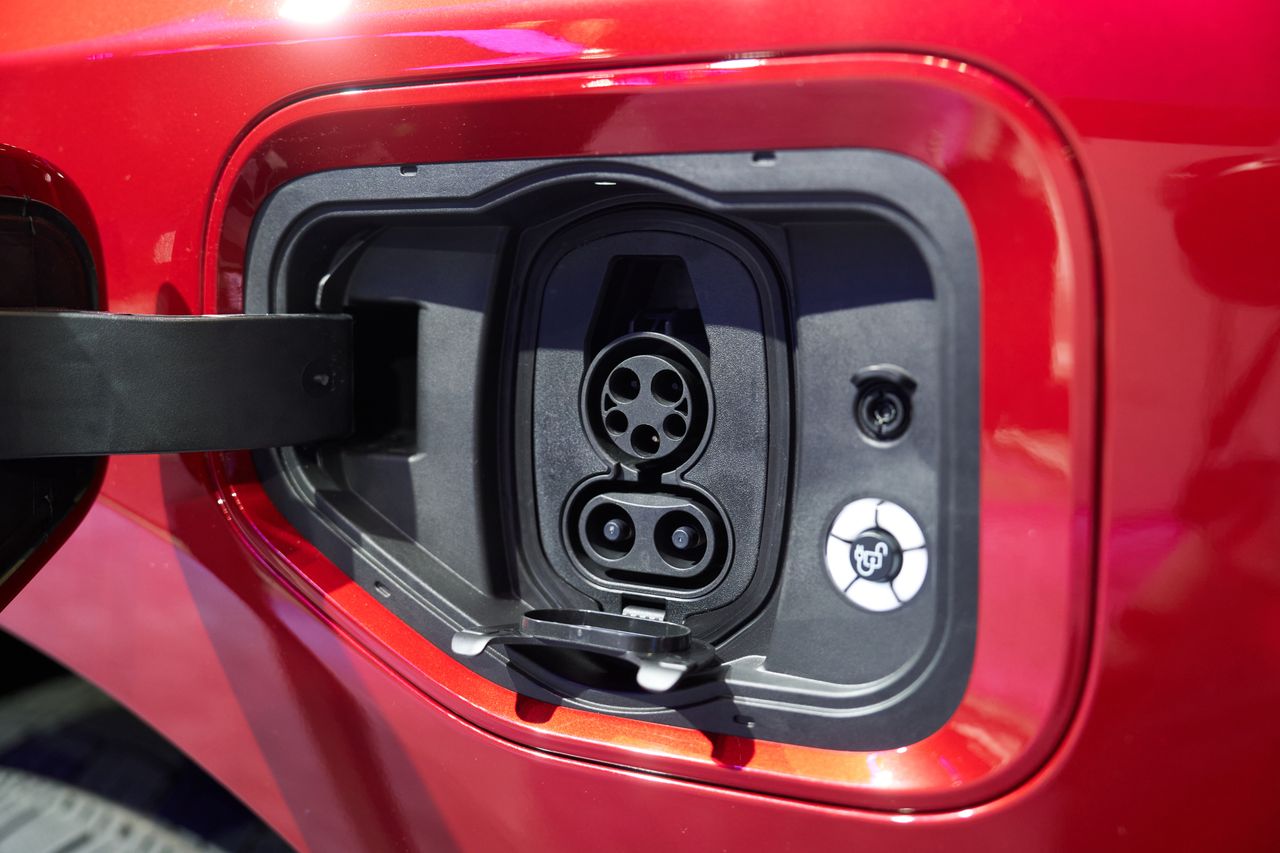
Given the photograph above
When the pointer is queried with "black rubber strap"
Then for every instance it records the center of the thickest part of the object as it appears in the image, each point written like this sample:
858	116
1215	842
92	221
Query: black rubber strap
78	383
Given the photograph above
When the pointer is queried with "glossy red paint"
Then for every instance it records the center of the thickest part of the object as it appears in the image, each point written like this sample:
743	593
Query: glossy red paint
318	709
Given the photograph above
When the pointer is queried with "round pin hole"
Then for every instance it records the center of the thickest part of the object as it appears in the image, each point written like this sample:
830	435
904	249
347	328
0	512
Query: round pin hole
609	532
645	440
616	422
624	384
674	426
681	539
667	387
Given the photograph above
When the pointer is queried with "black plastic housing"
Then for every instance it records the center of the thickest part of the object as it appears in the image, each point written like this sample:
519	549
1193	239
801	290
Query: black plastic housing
714	328
768	284
44	263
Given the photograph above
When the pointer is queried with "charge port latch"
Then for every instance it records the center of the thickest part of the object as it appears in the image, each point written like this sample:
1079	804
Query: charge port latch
662	652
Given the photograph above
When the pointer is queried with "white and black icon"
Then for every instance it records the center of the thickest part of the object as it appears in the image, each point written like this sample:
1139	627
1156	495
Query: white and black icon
876	554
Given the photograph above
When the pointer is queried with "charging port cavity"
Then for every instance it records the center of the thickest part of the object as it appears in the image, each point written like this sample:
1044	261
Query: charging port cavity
646	402
669	423
668	543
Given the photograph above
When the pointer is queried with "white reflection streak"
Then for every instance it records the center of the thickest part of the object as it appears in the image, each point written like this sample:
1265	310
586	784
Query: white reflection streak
313	11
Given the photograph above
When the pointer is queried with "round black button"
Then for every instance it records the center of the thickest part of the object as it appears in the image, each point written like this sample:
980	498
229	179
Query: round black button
876	556
883	411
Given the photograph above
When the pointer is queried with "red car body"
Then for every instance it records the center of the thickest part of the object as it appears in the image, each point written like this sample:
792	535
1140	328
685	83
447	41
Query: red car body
1121	168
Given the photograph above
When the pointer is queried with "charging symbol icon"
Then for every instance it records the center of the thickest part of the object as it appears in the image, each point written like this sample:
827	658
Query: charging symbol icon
869	561
875	555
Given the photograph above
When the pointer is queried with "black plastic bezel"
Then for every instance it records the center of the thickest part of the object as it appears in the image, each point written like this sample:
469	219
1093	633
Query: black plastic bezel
750	700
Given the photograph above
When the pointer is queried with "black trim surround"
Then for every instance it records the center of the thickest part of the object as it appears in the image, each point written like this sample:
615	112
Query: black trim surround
860	258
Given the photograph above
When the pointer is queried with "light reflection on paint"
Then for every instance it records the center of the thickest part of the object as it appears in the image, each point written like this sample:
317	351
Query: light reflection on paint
629	80
313	11
880	776
510	41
